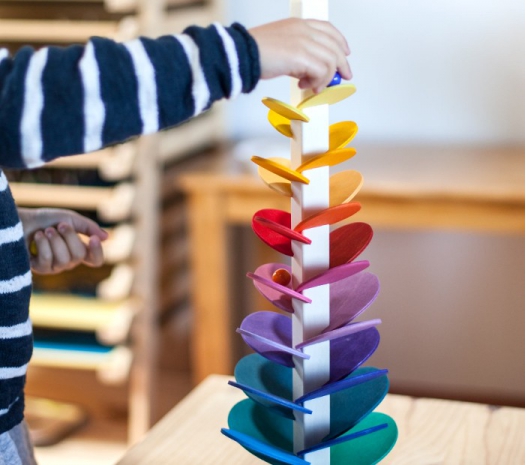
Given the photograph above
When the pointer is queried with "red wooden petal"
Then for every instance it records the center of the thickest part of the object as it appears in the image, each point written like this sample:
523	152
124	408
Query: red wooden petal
270	237
348	242
281	229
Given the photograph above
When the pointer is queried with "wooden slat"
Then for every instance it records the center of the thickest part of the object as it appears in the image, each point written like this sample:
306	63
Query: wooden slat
113	164
128	6
119	245
116	163
190	137
110	320
54	1
176	21
55	31
60	196
118	285
112	204
112	367
71	311
72	359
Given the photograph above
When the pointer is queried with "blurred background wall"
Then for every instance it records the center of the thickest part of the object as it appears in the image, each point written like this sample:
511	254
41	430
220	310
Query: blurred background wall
441	72
448	73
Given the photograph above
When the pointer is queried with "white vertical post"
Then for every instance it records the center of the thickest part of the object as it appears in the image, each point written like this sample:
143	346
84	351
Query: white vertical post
309	260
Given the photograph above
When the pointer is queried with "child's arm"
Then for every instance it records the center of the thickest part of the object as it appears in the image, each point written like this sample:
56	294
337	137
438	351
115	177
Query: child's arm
55	233
57	102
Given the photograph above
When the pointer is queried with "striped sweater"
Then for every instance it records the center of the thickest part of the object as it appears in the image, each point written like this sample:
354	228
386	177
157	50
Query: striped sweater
57	102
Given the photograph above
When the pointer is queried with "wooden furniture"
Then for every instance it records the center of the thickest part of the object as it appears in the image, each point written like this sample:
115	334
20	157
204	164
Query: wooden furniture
416	188
430	431
142	215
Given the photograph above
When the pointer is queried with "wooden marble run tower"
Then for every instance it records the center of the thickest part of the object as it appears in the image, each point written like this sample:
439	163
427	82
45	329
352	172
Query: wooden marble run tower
310	400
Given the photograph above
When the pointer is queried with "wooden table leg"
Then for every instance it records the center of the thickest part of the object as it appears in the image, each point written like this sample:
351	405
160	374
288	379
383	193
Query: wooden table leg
211	338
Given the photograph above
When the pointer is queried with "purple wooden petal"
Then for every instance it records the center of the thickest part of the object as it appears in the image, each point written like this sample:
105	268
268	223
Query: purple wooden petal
335	274
263	346
278	287
276	330
270	325
344	331
270	334
348	350
282	229
349	353
350	297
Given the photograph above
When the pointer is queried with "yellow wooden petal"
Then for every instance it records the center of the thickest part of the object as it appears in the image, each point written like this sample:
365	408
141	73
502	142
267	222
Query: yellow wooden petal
341	134
275	182
280	123
279	169
285	110
331	158
344	186
328	96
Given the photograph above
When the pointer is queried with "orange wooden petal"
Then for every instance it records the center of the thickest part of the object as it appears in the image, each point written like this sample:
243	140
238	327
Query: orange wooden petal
275	182
331	215
341	134
343	186
279	169
331	158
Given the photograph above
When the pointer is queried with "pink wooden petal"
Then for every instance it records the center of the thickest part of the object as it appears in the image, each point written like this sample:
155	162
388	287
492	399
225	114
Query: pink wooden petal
333	275
350	297
278	287
277	298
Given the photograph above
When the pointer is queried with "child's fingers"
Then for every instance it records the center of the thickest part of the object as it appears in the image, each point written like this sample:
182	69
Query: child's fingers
334	47
322	65
328	29
85	226
42	262
76	247
95	255
59	248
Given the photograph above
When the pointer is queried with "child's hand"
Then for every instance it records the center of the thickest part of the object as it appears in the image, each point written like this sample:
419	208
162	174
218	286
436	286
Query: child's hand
59	247
309	50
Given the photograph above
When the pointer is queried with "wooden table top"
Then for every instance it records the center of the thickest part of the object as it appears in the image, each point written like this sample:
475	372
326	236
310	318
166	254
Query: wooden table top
431	431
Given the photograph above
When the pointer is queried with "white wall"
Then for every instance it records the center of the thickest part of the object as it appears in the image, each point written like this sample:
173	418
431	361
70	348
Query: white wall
427	71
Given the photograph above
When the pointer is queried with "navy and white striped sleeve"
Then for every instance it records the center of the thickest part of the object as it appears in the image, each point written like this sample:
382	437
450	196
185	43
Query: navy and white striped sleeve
66	101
